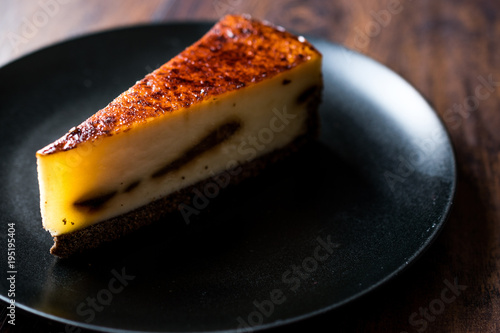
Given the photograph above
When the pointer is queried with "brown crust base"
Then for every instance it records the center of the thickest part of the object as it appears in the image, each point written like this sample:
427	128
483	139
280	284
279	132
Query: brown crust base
93	236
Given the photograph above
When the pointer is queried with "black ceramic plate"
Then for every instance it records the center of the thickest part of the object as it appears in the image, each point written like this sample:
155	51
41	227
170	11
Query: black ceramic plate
311	234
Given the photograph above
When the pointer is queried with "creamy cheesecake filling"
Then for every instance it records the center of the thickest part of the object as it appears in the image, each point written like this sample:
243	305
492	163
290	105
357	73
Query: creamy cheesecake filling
214	138
113	175
92	203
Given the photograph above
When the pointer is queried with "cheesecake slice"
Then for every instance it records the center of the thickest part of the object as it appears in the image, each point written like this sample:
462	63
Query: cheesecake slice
244	96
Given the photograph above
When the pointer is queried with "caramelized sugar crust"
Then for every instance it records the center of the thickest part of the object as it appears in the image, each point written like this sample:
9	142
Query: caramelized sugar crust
238	51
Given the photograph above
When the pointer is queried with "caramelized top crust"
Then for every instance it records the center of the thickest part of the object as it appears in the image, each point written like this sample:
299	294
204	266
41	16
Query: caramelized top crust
238	51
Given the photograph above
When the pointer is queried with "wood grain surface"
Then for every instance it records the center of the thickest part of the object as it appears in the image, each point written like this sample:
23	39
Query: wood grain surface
448	49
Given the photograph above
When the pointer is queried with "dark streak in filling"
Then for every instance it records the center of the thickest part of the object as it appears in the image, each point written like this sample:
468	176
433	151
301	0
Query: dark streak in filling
286	81
95	203
214	138
132	186
306	94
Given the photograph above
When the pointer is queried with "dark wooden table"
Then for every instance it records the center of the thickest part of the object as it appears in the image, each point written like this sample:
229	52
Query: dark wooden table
449	50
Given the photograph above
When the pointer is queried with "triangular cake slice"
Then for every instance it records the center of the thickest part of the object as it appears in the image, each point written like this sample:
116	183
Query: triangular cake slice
243	96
